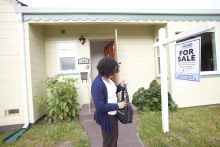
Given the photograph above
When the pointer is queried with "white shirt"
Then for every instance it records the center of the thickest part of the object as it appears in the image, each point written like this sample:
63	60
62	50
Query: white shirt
112	97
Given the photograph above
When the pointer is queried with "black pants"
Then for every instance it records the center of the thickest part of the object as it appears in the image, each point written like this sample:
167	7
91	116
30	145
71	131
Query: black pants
110	139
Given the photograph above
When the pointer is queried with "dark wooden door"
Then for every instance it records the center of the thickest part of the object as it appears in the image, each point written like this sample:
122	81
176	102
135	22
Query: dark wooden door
109	51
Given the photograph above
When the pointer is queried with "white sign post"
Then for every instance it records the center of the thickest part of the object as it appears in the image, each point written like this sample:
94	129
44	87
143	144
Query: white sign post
163	62
187	63
164	82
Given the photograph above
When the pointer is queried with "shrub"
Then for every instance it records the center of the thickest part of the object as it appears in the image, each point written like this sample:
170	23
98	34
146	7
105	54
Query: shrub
61	103
150	99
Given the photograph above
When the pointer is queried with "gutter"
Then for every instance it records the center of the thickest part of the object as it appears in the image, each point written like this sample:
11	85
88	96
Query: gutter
50	10
83	14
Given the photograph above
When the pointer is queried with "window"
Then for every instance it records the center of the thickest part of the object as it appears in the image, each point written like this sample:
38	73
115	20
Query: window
67	57
208	51
157	52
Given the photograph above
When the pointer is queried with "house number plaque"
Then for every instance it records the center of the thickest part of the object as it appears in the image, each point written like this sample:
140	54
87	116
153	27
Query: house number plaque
83	61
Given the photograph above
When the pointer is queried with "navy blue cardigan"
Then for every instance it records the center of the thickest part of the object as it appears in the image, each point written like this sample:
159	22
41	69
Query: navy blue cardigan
100	99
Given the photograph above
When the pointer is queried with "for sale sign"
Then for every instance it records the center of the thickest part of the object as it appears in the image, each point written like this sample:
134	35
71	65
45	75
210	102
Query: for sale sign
187	60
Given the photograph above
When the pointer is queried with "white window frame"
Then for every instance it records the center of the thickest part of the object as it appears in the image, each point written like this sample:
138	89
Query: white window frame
217	72
74	50
156	57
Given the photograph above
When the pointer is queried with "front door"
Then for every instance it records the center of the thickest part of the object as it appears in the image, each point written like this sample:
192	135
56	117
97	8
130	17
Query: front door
110	52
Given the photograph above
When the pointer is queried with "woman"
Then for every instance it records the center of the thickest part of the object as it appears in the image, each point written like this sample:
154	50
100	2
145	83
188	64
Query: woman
104	97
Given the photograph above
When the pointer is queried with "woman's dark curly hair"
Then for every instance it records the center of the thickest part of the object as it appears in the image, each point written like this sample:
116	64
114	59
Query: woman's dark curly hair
107	67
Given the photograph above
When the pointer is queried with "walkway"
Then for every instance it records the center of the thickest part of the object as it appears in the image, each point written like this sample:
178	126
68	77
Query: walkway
128	136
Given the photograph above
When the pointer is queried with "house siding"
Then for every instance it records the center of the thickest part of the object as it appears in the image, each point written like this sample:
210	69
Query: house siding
136	53
37	70
10	65
52	36
186	93
135	47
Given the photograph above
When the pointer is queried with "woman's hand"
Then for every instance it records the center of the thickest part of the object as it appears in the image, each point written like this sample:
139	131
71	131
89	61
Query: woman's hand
121	105
123	83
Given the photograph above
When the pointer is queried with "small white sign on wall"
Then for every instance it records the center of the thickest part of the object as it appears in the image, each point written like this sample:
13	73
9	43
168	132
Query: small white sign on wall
187	60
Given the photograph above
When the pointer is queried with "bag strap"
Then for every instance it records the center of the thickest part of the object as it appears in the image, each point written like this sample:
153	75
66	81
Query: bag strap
126	94
122	94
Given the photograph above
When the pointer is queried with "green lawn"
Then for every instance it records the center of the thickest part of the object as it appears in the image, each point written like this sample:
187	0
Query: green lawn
47	135
189	127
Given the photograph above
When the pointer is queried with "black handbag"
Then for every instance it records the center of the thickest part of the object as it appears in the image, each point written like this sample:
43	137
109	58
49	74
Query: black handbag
125	115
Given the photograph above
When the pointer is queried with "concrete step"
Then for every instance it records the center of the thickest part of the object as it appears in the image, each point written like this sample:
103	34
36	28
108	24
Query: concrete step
86	112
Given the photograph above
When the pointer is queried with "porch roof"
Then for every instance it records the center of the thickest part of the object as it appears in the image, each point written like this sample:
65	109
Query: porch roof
86	14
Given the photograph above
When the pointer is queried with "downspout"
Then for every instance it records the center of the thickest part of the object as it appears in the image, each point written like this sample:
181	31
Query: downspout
24	71
16	135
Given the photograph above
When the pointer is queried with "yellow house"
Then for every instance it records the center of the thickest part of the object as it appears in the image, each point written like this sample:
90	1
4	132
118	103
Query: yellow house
37	42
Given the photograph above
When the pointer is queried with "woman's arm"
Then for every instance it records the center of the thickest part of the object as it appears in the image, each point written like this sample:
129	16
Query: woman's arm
101	104
121	86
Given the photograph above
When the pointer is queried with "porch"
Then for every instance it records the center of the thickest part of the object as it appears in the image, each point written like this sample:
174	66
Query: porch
48	48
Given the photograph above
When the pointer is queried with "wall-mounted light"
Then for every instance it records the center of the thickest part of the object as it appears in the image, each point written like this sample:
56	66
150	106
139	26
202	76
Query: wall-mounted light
63	31
82	39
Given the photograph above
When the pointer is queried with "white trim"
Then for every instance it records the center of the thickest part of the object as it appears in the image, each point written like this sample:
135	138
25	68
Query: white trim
99	21
156	58
116	44
24	72
191	32
210	73
34	10
217	47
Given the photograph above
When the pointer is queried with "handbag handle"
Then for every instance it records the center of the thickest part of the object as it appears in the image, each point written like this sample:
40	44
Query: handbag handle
124	93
